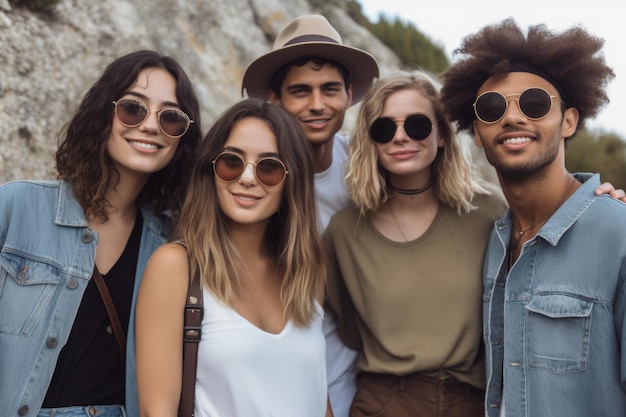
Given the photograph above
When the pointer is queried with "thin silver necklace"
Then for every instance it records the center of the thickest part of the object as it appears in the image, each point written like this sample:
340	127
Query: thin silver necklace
395	220
517	235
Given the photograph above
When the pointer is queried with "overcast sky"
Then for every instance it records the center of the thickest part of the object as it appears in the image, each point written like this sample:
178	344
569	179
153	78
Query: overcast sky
446	23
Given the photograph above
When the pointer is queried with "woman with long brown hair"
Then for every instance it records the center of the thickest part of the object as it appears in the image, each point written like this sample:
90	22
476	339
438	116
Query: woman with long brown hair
255	246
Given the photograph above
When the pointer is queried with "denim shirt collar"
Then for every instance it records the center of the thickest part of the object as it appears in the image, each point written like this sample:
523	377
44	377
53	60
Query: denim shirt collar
69	211
71	214
159	225
564	217
570	211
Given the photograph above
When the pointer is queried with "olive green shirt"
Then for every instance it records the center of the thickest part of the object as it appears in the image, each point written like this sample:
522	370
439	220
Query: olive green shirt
413	306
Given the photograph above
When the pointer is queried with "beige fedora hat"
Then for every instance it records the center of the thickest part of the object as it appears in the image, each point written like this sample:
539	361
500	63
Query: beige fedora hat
310	36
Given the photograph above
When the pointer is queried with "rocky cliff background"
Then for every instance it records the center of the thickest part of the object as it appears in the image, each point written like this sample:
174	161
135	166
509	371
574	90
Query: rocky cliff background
49	60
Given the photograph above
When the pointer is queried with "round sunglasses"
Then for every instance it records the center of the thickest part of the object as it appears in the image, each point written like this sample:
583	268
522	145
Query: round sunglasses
417	126
229	167
132	112
535	103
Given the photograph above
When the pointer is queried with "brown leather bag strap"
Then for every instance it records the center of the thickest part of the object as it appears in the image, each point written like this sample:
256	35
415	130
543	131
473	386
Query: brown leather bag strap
191	337
120	337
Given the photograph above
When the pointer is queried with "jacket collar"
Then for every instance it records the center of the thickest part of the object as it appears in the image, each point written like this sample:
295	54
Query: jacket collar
69	212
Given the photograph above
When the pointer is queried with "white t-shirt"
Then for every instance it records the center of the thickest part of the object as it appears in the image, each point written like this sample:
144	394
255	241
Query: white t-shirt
244	371
330	188
332	196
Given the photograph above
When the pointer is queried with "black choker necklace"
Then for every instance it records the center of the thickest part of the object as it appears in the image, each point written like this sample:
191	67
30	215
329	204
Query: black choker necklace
412	191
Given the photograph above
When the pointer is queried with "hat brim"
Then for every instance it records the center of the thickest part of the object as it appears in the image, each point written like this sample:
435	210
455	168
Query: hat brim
361	65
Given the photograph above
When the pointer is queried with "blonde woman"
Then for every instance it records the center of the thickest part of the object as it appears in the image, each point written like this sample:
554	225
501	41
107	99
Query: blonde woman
248	230
405	262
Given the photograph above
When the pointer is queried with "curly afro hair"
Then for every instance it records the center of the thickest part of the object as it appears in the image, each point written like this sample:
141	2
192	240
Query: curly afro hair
573	59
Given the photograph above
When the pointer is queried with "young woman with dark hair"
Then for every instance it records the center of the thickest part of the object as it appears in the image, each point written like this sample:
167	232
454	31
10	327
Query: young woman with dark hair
123	170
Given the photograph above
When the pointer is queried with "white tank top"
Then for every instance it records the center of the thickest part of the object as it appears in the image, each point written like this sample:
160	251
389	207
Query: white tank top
244	371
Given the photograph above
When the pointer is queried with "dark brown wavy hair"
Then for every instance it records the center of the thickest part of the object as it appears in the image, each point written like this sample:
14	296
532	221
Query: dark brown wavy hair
82	159
572	59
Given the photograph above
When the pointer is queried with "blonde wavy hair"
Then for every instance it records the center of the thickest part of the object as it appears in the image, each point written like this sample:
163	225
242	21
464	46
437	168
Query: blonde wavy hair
454	176
292	233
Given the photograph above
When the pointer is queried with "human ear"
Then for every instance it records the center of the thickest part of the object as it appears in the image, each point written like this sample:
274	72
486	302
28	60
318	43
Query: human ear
477	138
570	122
272	97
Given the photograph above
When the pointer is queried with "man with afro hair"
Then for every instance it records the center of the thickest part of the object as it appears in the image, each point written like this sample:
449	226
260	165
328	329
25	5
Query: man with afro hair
555	269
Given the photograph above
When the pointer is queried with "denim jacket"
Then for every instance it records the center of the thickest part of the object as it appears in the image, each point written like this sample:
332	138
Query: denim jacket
562	349
46	260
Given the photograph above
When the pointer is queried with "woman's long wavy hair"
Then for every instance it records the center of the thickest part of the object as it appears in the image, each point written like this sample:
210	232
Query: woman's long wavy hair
82	159
452	172
292	232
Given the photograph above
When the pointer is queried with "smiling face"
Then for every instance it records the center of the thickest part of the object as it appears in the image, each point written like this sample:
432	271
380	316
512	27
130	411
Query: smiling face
516	145
247	201
144	149
317	97
408	161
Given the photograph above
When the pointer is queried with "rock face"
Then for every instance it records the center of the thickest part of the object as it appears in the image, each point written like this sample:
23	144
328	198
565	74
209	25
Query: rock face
48	61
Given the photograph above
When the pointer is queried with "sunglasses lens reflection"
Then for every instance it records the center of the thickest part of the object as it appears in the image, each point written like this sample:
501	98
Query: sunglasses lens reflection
229	167
270	172
418	126
535	103
490	107
131	112
382	130
173	122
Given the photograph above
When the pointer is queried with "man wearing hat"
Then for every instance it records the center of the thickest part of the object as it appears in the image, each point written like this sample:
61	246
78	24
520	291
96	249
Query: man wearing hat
555	268
314	76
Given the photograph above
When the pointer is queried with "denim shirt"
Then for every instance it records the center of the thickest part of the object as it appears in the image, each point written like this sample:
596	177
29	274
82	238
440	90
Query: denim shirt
562	349
46	261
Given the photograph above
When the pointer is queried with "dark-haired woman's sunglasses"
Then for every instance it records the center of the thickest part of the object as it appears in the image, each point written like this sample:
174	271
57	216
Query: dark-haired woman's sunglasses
417	126
535	103
132	112
229	167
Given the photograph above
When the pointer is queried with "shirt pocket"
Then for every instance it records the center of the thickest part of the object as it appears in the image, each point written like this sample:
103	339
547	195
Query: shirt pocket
27	287
558	329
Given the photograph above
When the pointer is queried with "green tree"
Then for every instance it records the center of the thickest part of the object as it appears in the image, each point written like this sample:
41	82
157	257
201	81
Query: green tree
604	153
414	48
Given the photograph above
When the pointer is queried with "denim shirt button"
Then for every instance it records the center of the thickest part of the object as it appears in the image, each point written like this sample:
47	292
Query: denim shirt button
92	410
23	410
86	238
515	364
72	284
51	343
23	274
